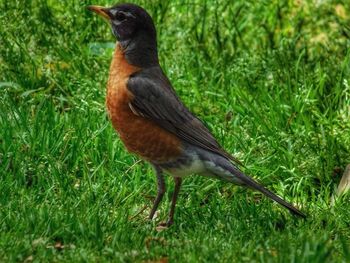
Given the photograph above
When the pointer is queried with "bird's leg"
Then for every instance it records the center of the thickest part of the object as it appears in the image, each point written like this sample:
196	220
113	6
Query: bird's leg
160	191
178	182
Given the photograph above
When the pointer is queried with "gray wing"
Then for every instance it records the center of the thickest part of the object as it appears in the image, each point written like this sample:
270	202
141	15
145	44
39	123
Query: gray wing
155	99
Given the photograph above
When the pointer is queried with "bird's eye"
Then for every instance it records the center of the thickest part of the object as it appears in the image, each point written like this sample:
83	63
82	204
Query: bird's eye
120	16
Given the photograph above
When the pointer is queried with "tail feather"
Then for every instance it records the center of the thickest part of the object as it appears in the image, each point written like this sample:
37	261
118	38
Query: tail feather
254	185
222	168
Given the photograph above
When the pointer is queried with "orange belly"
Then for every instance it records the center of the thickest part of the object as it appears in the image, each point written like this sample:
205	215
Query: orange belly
140	136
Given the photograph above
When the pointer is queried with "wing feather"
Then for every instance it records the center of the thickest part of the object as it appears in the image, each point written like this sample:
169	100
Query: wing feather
155	99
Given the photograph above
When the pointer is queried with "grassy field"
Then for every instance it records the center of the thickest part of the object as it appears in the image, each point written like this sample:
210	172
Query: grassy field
271	79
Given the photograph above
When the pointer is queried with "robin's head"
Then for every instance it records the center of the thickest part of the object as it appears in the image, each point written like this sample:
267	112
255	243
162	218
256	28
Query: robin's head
128	21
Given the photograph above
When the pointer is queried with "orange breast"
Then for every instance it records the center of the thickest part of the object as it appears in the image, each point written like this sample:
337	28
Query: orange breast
140	136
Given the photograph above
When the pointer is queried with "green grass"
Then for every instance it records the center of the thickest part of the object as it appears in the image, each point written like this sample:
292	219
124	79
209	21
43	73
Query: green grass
269	78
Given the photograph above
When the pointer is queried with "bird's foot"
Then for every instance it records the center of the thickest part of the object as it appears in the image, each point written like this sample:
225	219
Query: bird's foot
153	216
164	225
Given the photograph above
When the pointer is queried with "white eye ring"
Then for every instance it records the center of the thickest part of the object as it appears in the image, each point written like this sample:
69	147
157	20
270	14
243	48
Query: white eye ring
121	15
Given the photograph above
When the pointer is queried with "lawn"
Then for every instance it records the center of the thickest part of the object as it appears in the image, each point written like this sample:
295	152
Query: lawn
271	80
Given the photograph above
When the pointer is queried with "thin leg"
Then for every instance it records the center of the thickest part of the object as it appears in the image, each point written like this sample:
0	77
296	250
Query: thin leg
178	182
160	191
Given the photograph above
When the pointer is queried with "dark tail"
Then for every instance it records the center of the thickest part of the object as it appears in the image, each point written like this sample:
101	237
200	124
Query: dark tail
254	185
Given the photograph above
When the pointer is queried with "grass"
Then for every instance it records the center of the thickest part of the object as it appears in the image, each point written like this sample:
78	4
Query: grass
270	79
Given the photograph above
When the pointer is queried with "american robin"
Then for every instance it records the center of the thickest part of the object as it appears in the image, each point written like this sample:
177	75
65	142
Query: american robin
151	120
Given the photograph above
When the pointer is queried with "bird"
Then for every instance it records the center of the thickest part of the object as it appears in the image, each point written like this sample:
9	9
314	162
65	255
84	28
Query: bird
152	121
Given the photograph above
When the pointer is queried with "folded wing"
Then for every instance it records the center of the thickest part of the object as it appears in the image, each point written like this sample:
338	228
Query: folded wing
155	99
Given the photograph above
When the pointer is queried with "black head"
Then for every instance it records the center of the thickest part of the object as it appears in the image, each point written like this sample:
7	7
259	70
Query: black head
135	31
128	21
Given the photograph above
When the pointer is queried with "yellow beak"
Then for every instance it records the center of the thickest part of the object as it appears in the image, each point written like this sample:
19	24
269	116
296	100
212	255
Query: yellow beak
100	10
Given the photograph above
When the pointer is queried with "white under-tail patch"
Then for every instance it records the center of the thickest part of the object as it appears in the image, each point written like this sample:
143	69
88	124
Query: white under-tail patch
203	167
195	167
219	172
